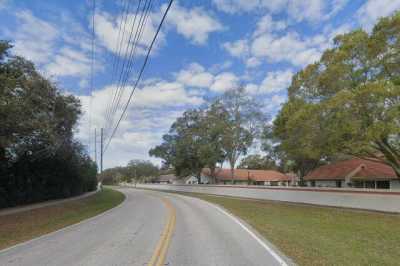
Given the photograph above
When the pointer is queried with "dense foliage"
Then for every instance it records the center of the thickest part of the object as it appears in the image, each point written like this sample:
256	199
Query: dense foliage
258	162
39	159
135	171
204	137
348	102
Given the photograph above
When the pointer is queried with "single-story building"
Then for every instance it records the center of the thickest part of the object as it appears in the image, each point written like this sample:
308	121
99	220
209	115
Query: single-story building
249	177
165	179
357	173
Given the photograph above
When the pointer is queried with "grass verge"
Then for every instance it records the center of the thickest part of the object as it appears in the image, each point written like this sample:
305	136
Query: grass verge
313	235
20	227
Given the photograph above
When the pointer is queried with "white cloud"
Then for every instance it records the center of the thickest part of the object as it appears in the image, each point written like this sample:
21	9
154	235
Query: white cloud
240	6
267	24
276	81
153	108
297	10
372	10
3	4
195	76
34	38
55	49
289	47
116	32
224	81
239	48
194	24
69	62
253	62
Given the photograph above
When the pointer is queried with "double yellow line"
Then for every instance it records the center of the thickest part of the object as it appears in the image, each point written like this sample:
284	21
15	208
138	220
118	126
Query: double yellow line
160	252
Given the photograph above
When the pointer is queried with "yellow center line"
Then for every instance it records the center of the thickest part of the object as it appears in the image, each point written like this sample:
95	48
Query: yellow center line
160	252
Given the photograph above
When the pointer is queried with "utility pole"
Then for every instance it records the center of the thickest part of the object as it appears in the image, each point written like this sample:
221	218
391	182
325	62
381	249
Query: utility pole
95	146
101	148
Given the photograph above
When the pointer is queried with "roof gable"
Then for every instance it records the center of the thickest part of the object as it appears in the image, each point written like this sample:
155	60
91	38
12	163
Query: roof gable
353	168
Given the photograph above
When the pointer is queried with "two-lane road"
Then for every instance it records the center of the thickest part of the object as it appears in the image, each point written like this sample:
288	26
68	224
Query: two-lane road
149	228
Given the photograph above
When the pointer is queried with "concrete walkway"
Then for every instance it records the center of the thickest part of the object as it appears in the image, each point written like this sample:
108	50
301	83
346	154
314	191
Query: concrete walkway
18	209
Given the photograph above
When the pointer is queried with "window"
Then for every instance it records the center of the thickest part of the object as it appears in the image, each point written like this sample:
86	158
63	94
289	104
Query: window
313	183
358	184
273	183
338	183
369	184
383	184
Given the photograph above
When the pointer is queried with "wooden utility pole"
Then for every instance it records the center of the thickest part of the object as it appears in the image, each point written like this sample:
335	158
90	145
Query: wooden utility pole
101	152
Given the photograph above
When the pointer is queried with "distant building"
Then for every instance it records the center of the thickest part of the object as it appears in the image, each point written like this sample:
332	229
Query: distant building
249	177
165	179
356	173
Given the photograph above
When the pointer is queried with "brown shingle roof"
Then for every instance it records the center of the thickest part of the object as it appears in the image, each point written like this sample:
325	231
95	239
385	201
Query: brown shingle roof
354	168
245	174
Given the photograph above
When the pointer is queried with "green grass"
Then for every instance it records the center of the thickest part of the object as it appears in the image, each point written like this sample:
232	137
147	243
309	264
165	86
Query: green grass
19	227
313	235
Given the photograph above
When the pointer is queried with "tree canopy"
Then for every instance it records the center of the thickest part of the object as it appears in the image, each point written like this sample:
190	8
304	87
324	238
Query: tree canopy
39	159
347	102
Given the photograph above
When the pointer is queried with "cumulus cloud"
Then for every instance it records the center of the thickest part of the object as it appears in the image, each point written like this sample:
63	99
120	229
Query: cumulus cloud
195	76
117	33
267	24
289	47
57	50
69	62
34	38
194	24
225	81
153	108
3	4
275	81
239	48
372	10
297	10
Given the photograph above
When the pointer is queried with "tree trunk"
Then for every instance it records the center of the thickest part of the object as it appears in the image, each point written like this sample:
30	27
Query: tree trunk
232	174
212	174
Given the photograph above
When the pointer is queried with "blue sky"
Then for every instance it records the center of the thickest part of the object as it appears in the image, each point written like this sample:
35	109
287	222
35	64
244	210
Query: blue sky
204	49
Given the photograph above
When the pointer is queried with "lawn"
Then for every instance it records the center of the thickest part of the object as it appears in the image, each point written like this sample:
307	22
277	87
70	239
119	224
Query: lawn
19	227
313	235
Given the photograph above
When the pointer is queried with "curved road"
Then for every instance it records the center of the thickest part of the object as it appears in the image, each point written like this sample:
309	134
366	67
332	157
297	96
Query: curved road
149	228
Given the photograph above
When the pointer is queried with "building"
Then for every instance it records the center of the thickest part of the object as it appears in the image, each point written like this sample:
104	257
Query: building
249	177
357	173
165	179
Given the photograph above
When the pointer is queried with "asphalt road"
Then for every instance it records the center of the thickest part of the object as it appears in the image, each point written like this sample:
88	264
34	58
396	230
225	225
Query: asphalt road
149	228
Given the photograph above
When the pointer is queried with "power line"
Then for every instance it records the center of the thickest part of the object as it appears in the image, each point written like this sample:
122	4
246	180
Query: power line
140	73
117	57
124	75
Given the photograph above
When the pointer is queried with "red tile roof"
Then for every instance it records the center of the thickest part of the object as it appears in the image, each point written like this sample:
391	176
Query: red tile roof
245	174
353	168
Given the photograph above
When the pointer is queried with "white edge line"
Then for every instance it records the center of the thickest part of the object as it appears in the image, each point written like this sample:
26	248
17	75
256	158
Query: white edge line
261	242
64	228
244	227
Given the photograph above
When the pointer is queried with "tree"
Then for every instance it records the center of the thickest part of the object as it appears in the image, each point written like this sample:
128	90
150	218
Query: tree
348	102
39	159
243	124
182	145
139	170
194	141
212	135
258	162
